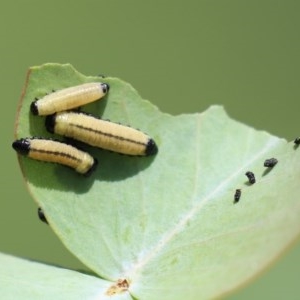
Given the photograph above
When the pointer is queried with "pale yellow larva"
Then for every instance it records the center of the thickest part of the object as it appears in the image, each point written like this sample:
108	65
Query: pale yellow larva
57	152
100	133
69	98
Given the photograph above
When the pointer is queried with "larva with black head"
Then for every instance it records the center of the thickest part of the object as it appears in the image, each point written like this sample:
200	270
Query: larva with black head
237	195
48	150
251	177
271	162
100	133
69	98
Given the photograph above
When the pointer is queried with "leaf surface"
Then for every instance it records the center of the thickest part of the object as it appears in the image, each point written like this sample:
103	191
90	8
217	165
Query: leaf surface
25	279
167	223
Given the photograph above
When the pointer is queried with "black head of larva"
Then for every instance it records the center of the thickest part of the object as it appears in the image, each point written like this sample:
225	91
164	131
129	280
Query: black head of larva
151	148
50	123
105	87
22	146
34	108
42	216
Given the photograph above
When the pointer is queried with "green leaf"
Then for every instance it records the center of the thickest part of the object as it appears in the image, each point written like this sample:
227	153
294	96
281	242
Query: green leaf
167	223
24	279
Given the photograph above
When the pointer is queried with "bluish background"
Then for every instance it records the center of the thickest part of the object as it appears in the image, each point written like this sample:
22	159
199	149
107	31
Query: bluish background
183	56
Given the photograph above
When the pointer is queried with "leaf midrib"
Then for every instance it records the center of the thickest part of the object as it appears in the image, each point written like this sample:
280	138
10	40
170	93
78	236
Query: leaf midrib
173	232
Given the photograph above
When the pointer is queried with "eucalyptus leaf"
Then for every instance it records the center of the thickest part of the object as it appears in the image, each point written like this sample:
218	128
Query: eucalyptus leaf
25	279
168	224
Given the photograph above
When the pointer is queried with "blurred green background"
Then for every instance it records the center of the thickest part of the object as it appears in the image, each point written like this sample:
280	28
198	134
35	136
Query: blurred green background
181	55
